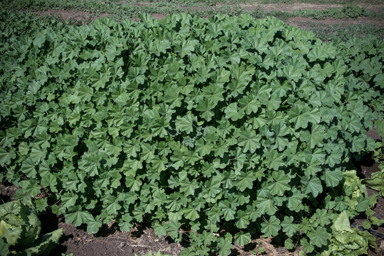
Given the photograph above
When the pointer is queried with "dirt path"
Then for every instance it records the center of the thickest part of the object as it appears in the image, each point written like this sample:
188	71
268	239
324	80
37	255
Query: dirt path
300	21
303	6
295	21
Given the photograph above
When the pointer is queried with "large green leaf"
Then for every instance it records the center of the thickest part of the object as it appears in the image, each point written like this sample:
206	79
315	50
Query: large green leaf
44	244
243	238
160	230
341	223
288	226
332	178
186	47
28	168
232	112
266	205
6	156
312	185
228	210
76	216
30	186
295	201
315	137
3	247
271	227
159	46
68	200
274	159
191	214
242	219
280	183
224	246
319	237
93	225
173	229
249	141
185	123
245	180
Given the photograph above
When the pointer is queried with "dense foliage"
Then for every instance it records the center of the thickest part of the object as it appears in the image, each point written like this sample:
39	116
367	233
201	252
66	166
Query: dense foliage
231	122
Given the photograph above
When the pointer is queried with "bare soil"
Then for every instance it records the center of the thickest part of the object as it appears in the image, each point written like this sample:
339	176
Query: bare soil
304	6
69	14
295	21
302	22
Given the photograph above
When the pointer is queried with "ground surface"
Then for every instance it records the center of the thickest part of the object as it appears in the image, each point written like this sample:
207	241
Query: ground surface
326	28
141	239
294	21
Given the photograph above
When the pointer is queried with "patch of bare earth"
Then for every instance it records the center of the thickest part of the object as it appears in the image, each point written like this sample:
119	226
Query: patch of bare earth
304	6
295	21
299	21
113	242
158	16
69	14
288	7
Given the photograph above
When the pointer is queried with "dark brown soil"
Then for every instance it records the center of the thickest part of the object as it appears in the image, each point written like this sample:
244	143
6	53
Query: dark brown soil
110	241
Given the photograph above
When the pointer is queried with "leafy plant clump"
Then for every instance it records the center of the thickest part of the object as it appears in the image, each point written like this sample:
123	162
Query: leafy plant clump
20	228
228	123
378	152
377	180
347	11
347	241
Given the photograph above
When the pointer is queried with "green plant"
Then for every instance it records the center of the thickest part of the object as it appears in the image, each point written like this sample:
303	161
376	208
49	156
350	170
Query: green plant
379	149
229	123
347	11
378	154
376	182
372	220
20	228
157	254
347	241
353	11
344	32
377	179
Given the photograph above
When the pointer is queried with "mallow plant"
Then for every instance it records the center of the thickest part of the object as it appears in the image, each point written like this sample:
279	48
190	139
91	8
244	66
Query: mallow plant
227	124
